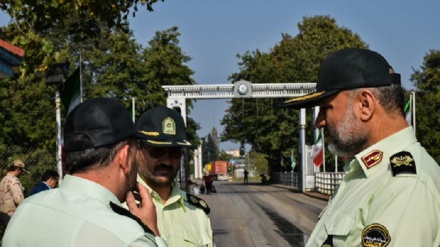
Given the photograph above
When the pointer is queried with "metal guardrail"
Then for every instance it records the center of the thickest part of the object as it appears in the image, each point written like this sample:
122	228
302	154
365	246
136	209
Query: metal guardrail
287	178
325	182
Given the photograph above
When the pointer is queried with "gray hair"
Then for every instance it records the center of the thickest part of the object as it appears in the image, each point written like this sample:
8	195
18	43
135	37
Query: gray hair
391	98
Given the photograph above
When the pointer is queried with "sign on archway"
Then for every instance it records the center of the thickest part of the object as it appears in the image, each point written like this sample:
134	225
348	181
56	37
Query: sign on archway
177	96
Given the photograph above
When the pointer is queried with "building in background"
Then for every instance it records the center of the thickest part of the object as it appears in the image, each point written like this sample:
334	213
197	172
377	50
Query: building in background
10	56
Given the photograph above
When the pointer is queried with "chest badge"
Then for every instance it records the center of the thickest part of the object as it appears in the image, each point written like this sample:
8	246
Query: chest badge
372	158
375	235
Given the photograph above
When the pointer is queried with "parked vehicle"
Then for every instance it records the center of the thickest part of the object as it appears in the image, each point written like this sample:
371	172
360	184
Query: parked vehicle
219	167
223	177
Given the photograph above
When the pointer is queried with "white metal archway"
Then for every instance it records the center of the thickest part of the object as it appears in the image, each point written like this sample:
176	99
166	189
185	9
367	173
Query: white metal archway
177	96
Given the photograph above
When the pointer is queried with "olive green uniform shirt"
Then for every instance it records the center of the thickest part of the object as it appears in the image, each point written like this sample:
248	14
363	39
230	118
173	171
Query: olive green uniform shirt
181	223
388	197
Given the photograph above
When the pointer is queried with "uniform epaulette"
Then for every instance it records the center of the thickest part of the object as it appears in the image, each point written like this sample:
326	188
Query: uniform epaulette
403	162
198	202
125	212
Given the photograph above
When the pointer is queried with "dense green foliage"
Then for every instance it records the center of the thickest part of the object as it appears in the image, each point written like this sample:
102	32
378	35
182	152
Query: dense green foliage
270	130
113	65
41	15
427	82
116	67
210	147
260	162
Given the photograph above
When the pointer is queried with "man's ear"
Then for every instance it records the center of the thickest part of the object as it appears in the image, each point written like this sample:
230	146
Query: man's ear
368	104
122	156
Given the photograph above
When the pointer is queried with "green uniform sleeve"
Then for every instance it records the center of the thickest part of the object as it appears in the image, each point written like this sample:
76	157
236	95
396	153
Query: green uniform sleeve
408	209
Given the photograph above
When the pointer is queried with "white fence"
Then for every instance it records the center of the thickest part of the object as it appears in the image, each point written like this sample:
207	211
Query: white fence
287	178
325	182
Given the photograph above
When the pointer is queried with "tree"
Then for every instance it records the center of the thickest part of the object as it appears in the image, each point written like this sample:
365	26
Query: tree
272	131
40	15
164	63
113	66
261	163
210	150
37	22
427	82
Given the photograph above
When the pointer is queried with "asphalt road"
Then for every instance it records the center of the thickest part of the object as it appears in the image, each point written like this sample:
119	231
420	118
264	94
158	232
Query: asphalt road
261	215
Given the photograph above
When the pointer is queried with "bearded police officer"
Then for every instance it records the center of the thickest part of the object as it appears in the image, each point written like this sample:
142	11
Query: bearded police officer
182	218
390	193
101	163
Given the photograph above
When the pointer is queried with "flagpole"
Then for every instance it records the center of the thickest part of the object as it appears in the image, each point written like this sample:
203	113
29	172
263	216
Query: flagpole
323	147
59	139
302	136
413	105
133	109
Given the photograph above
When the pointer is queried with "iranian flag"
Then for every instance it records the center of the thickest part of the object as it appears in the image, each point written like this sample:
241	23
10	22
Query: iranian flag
408	112
292	160
71	94
318	152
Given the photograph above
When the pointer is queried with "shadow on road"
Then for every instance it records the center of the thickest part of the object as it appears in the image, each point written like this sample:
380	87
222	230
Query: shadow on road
293	235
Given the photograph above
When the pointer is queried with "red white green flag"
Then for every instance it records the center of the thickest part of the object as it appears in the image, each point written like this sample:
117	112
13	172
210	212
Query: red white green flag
318	152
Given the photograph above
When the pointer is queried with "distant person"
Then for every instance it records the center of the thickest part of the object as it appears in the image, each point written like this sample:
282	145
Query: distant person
49	180
245	179
11	190
182	217
208	181
264	179
101	158
390	194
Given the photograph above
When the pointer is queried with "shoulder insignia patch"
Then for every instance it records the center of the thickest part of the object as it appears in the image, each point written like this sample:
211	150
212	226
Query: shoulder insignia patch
403	162
198	202
372	158
375	235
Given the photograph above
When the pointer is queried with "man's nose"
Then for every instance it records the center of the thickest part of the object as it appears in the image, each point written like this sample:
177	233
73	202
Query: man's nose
320	121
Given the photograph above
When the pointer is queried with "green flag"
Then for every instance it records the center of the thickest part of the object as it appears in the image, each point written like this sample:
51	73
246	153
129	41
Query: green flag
70	96
408	112
292	160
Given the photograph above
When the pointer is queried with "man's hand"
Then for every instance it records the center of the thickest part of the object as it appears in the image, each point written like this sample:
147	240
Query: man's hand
146	211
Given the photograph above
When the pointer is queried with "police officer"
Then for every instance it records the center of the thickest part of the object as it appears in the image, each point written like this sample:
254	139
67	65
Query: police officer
182	218
101	166
390	195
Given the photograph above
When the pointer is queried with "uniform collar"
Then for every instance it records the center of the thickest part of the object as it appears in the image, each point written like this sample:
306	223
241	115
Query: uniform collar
175	196
383	150
89	188
10	174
